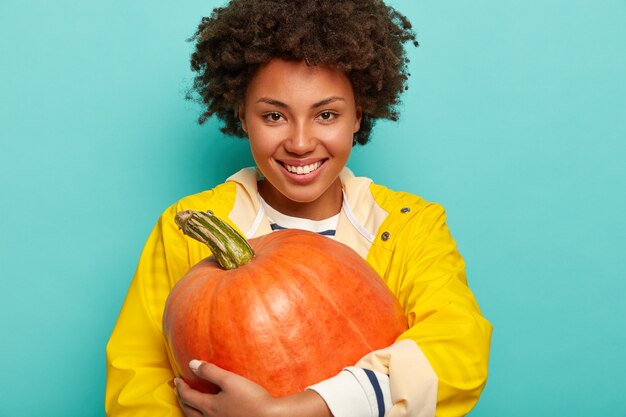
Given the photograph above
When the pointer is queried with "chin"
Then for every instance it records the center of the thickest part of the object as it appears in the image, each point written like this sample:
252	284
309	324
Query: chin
302	198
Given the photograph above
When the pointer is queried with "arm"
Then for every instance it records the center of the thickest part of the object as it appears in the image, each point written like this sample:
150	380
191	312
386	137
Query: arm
442	357
138	370
240	397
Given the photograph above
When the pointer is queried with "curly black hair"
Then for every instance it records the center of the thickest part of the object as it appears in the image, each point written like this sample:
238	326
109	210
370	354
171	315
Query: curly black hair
363	38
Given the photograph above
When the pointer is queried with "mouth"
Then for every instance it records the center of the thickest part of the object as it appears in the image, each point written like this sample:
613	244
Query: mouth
303	169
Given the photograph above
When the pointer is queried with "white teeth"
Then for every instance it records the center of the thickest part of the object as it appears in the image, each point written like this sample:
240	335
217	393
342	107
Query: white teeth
301	170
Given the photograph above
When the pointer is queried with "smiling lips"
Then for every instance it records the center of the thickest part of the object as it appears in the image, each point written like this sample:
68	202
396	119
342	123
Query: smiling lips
303	169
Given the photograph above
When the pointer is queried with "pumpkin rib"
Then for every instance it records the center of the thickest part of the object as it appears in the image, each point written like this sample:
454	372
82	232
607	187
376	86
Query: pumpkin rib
275	333
214	306
333	304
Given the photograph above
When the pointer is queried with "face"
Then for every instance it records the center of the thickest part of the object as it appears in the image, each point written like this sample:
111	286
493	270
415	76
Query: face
300	121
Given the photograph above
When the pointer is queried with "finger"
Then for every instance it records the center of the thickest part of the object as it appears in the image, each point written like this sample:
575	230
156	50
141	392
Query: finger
190	411
190	400
210	372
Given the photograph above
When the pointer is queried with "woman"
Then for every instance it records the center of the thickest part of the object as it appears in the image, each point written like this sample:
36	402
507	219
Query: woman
305	81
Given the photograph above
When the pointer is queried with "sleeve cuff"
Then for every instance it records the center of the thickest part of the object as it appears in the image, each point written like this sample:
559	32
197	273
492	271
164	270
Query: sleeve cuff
356	392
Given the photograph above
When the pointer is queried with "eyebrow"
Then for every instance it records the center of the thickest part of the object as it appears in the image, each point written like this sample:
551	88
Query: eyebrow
320	103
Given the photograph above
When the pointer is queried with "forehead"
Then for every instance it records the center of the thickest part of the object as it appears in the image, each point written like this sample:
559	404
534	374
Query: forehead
291	80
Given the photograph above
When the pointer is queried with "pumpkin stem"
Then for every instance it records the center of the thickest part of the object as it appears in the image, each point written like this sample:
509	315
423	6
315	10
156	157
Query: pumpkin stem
230	248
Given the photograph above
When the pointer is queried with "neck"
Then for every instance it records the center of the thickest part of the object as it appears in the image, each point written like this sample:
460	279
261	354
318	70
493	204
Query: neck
325	206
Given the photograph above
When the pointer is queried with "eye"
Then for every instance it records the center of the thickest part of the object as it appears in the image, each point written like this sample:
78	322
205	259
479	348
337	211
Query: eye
273	116
327	115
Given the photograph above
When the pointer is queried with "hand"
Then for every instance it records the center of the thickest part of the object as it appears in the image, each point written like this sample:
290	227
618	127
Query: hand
240	397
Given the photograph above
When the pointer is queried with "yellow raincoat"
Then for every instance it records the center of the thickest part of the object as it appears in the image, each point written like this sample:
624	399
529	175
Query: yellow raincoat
439	365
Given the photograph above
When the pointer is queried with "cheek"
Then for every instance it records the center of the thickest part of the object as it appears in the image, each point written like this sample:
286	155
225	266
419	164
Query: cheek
262	151
341	142
261	142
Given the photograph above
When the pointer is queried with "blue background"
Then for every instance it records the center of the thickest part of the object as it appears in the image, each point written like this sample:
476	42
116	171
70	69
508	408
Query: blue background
515	121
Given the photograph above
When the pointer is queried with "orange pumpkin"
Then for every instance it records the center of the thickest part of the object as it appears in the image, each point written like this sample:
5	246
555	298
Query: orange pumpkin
296	311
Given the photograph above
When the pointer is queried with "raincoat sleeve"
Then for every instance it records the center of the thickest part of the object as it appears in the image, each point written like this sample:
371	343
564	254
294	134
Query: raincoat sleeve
139	375
439	365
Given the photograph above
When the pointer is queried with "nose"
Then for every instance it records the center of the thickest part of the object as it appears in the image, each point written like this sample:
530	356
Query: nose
301	140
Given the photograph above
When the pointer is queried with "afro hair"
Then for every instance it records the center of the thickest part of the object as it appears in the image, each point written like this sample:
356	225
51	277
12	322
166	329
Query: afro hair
363	38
